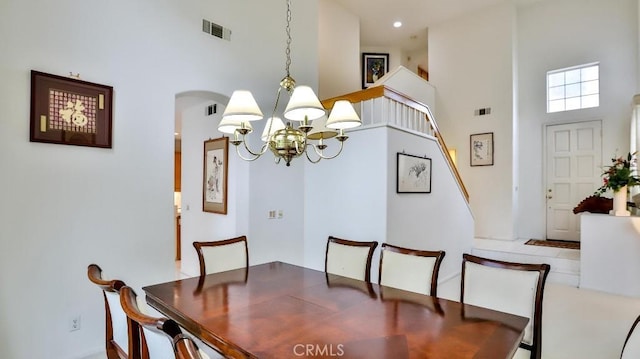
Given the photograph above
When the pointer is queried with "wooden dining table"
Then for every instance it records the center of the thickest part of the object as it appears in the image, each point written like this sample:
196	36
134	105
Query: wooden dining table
280	310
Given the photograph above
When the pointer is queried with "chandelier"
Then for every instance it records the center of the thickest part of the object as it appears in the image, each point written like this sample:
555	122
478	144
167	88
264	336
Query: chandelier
286	141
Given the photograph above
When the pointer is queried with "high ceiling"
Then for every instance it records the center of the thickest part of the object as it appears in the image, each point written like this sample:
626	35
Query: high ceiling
377	18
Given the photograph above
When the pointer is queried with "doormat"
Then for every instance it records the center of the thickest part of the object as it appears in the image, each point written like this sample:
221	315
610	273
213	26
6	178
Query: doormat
554	243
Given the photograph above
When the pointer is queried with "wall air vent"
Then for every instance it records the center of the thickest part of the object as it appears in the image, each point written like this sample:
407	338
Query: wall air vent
216	30
211	109
482	111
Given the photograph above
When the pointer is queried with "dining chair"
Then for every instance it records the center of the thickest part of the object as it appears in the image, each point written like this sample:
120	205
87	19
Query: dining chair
151	336
515	288
410	269
185	348
221	256
349	258
116	334
631	347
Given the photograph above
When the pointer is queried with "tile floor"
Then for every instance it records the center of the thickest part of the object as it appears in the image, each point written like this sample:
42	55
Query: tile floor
577	323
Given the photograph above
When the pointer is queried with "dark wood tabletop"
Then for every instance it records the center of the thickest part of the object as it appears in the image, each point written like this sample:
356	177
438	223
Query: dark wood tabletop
279	310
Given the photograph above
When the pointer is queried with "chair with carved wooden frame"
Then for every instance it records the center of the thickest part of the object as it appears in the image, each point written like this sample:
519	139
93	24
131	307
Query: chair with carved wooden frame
117	342
349	258
515	288
185	348
221	256
151	337
631	347
410	269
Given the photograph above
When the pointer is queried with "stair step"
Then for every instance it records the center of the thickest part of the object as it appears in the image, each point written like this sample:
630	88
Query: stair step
565	263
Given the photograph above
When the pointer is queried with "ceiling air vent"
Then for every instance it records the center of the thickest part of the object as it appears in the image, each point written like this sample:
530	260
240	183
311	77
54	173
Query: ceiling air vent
216	30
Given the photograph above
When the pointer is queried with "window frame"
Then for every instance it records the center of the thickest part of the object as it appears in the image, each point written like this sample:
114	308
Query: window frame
583	95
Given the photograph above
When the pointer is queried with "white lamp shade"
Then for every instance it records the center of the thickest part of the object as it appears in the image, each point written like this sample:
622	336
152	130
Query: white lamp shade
303	102
275	123
230	125
320	130
343	116
242	107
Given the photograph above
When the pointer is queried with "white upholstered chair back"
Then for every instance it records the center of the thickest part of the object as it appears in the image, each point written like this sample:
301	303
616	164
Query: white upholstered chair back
118	321
514	288
222	256
158	343
409	269
631	349
349	258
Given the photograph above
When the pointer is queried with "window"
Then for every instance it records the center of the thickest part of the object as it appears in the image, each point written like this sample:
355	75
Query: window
573	88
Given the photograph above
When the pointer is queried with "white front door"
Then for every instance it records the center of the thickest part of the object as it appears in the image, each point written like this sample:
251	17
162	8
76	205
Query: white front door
574	167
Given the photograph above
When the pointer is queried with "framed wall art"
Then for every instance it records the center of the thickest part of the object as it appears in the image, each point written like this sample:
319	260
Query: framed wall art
413	174
374	66
70	111
481	148
214	181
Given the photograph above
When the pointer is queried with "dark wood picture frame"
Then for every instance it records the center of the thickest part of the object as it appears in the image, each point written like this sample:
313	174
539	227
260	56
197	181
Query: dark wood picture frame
374	66
215	175
69	111
481	149
413	174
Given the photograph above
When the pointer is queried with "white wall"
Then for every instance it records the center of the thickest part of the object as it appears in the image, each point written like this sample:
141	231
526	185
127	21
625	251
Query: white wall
440	220
67	206
416	58
569	33
338	43
470	62
349	198
346	197
196	224
410	85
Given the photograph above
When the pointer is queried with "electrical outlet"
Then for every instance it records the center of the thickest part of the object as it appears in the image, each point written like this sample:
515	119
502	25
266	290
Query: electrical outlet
74	323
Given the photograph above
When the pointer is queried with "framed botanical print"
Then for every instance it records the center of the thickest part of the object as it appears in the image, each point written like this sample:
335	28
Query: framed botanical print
481	149
413	174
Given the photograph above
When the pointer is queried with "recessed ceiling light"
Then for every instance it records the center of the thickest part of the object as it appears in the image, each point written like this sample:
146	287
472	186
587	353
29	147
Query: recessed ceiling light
397	24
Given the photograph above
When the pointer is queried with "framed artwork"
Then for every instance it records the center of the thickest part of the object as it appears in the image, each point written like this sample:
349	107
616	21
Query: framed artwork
481	148
413	174
70	111
374	66
214	181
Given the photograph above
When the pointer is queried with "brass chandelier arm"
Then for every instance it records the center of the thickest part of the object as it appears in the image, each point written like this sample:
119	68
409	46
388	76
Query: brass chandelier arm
255	155
246	158
262	151
320	153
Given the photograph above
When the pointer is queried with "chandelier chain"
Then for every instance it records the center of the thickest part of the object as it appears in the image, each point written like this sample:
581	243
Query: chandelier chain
288	50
